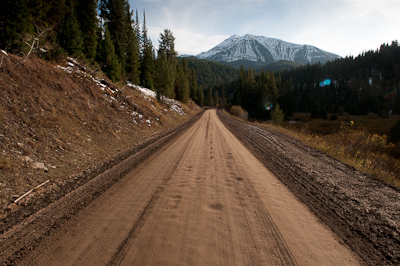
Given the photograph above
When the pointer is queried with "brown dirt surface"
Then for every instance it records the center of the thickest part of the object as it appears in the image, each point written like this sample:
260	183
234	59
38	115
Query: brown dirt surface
68	118
364	212
200	198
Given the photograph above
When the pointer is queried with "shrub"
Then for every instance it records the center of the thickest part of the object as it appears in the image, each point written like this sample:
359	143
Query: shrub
238	111
277	115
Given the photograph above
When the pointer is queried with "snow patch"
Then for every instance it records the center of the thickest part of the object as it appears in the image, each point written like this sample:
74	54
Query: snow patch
259	48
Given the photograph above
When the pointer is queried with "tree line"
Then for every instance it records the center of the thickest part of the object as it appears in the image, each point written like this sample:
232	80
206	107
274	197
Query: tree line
103	33
368	83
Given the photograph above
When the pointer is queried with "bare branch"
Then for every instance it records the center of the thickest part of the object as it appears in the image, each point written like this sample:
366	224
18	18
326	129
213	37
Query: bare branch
35	40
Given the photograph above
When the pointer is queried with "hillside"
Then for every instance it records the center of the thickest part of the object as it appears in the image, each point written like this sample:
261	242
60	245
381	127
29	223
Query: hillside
56	121
211	73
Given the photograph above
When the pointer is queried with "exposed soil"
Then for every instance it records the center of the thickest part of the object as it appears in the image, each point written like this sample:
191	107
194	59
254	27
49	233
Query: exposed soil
67	117
195	196
362	211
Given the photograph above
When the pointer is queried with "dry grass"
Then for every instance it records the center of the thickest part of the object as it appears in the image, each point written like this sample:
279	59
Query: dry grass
67	122
351	143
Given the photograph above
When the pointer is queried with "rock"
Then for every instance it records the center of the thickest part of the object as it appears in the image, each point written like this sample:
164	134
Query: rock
27	159
39	165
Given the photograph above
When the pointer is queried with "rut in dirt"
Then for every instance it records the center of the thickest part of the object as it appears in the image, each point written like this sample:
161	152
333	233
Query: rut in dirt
362	211
201	198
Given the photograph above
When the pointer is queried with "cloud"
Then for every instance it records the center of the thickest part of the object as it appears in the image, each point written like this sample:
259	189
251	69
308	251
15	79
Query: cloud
338	26
187	42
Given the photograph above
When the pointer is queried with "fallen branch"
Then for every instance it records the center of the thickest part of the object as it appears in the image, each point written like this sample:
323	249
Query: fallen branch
30	191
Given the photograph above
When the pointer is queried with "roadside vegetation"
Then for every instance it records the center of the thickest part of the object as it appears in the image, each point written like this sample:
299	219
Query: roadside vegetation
368	143
364	142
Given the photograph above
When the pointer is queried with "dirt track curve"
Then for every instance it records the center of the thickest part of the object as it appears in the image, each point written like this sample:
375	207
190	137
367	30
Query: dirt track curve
201	199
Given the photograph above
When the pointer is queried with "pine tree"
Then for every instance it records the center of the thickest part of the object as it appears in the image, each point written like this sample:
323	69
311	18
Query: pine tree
132	64
193	85
216	98
107	58
87	17
71	36
223	97
167	44
136	30
118	17
115	20
163	80
277	115
200	96
147	59
15	24
209	98
55	13
182	89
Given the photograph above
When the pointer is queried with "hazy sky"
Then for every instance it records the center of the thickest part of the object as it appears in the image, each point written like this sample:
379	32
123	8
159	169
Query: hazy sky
344	27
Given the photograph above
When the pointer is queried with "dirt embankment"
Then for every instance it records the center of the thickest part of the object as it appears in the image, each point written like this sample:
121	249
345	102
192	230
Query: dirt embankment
57	119
361	210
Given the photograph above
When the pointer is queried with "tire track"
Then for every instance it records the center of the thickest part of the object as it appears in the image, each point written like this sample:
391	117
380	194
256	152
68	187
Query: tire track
268	242
148	209
23	237
202	199
340	196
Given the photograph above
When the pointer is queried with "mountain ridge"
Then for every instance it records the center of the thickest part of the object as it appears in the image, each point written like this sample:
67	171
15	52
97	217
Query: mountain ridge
266	50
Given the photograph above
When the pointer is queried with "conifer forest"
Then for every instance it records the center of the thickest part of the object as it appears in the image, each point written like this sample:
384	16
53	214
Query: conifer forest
106	33
113	38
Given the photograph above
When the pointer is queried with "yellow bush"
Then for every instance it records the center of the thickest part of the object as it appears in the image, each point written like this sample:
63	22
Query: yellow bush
238	111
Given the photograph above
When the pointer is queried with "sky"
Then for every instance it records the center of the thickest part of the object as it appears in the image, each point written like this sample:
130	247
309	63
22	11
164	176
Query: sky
343	27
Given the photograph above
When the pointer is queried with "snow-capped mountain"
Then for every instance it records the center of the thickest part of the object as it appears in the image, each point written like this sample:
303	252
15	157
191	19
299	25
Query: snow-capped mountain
263	49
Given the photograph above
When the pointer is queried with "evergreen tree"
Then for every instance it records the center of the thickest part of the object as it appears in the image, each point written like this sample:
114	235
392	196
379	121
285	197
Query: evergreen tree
15	24
182	89
71	36
147	59
114	14
87	17
163	80
209	99
167	44
223	97
277	115
200	96
136	30
132	65
55	13
216	98
107	57
123	30
193	85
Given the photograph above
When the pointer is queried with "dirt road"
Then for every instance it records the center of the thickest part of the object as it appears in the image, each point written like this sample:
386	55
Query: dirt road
203	199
